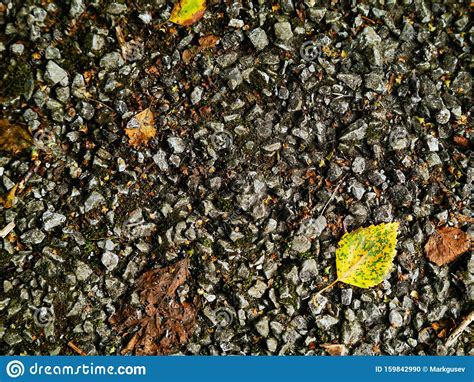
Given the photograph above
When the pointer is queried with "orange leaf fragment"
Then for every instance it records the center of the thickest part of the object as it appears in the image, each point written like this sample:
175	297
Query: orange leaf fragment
461	141
335	349
140	129
209	41
188	55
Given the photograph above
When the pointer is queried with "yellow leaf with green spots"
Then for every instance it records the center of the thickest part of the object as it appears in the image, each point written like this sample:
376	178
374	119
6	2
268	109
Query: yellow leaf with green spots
364	257
187	12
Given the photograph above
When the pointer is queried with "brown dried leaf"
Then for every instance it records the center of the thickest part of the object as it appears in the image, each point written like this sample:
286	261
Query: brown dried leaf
140	129
208	41
461	141
335	349
205	42
14	138
446	245
188	55
165	322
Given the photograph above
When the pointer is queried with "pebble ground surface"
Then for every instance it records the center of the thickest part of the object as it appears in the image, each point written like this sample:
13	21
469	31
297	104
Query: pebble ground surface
295	122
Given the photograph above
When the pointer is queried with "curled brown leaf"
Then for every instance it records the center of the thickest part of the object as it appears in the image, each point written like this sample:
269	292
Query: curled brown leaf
446	245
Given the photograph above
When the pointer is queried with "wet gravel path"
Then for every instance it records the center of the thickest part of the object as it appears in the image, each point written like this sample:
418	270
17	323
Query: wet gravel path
279	128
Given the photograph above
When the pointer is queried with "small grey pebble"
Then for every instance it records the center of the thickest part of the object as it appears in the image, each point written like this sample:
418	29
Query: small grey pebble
346	296
395	318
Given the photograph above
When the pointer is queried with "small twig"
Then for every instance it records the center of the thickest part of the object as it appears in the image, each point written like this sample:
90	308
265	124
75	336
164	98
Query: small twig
8	228
313	299
103	238
100	103
327	287
31	171
369	20
460	329
332	195
158	26
119	35
75	348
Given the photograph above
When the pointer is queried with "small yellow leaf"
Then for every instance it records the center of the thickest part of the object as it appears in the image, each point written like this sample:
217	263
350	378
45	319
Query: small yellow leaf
14	138
8	200
365	256
140	129
187	12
